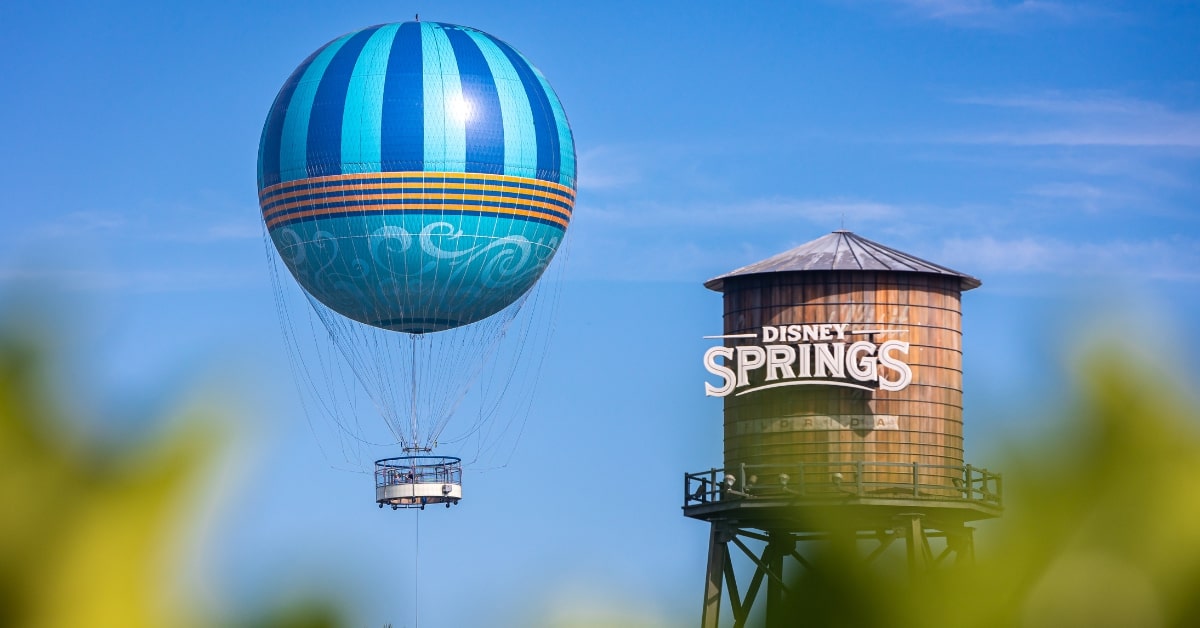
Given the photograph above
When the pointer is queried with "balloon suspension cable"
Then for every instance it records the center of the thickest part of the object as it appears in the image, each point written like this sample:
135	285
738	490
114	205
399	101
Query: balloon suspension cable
417	569
412	371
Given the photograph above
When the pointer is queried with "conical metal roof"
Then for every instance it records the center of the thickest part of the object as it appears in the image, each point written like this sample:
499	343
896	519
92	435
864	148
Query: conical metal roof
842	250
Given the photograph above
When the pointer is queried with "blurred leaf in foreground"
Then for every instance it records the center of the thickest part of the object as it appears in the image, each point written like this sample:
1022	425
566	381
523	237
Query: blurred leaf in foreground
1100	529
92	535
86	539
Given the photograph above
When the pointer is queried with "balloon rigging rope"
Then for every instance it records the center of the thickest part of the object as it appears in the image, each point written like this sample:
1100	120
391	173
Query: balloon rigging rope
545	297
488	361
489	405
486	405
316	364
301	371
487	350
488	443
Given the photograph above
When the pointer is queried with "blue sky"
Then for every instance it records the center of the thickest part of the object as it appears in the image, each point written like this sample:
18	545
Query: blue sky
1049	148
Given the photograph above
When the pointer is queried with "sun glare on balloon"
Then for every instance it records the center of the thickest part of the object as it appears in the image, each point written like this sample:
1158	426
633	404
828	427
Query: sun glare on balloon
460	108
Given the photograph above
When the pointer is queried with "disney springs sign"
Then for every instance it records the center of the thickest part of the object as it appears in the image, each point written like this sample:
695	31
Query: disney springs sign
792	355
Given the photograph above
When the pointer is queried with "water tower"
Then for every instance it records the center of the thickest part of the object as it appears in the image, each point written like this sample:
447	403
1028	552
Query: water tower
840	367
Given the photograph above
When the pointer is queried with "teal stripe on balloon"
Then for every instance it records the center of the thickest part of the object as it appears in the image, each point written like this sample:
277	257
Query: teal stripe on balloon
520	138
293	150
445	122
362	120
566	143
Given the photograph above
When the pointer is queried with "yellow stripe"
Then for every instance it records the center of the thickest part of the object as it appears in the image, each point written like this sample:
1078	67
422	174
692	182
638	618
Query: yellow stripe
423	196
453	208
417	184
363	176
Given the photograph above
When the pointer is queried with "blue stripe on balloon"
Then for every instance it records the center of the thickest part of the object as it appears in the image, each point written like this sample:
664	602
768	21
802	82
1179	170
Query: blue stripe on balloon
566	143
324	149
485	130
293	149
520	136
403	123
545	127
361	120
445	134
268	147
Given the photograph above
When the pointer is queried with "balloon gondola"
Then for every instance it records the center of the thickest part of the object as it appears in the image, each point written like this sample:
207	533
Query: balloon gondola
418	481
416	179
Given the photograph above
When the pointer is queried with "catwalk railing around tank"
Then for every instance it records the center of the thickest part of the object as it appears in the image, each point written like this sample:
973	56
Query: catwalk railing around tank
876	480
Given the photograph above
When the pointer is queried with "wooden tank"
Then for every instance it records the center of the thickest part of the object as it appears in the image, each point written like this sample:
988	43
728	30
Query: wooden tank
843	425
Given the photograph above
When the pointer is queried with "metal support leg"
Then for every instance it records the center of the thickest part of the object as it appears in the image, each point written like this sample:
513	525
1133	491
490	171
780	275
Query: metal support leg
780	546
920	555
718	557
963	542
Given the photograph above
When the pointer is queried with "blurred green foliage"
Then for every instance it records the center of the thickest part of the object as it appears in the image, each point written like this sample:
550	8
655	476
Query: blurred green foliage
1102	525
91	534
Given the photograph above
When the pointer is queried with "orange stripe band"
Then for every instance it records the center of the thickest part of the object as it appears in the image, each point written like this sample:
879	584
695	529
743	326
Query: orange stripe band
373	186
459	199
439	208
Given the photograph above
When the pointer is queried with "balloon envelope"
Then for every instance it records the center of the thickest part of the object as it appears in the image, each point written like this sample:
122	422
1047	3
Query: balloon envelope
416	177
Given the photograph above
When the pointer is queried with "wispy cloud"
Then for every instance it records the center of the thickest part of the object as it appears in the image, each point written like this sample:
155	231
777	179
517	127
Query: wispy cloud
1058	102
1077	195
648	166
993	14
608	167
122	280
681	241
81	223
162	225
677	241
249	228
1088	120
751	214
1175	259
155	249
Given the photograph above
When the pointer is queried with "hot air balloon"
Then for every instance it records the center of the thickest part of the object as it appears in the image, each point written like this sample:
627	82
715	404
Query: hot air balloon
416	179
